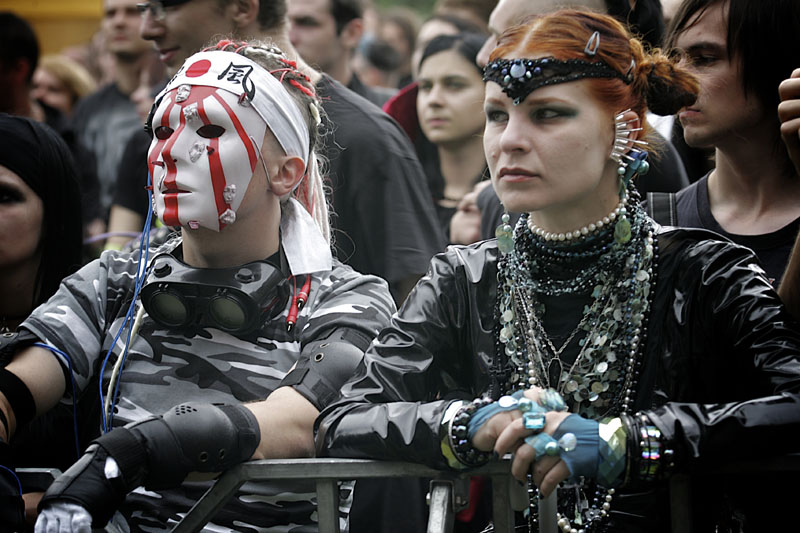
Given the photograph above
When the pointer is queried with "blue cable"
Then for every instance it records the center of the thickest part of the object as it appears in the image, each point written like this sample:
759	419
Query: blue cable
74	398
14	474
144	244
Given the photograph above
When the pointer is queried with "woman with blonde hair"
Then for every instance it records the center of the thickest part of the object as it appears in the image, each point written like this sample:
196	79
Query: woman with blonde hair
60	82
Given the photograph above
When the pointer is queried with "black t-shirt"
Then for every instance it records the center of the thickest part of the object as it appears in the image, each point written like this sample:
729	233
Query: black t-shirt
376	95
104	121
384	220
85	162
772	249
130	191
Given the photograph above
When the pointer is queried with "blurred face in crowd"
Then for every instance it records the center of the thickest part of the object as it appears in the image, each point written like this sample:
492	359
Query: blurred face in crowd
394	35
722	110
427	32
312	31
450	98
21	217
185	29
120	27
48	88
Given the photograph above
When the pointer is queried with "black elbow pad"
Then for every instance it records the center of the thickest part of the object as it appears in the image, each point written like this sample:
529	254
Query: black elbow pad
158	452
324	367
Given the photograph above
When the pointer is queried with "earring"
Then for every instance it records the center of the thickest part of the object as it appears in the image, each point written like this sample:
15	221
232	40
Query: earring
632	161
505	235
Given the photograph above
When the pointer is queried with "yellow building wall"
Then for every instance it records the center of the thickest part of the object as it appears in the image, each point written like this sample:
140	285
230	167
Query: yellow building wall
58	23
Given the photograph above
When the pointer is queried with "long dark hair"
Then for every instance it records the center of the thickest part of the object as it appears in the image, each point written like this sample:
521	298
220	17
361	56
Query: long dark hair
466	44
39	156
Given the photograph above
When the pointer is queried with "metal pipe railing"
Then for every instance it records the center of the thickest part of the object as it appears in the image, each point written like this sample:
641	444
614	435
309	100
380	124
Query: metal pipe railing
444	497
327	473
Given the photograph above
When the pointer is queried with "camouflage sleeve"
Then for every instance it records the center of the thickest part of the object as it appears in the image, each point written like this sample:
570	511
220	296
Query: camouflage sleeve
348	312
77	318
349	300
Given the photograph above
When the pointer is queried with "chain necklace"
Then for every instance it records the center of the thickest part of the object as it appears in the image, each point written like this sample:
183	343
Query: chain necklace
602	379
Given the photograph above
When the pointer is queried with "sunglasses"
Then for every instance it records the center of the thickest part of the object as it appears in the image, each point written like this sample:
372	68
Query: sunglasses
157	8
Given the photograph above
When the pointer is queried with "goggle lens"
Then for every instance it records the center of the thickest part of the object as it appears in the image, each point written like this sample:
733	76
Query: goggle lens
168	308
227	313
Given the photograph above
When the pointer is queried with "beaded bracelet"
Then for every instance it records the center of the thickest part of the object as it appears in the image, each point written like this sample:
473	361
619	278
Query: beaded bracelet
460	448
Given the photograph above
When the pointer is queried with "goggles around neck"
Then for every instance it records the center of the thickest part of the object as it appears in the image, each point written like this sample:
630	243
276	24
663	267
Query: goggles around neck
236	300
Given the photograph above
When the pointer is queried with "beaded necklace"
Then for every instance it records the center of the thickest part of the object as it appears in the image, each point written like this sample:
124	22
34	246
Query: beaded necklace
618	274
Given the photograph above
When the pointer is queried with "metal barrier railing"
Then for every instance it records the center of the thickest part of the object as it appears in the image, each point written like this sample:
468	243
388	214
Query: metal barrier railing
445	494
448	490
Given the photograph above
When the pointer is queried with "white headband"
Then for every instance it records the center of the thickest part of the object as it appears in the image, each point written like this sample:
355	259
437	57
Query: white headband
254	86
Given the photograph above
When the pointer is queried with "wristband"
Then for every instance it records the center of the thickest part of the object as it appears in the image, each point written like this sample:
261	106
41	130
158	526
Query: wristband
19	397
613	452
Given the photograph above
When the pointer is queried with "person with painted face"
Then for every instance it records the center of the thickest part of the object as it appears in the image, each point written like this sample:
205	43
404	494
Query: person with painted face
216	329
607	354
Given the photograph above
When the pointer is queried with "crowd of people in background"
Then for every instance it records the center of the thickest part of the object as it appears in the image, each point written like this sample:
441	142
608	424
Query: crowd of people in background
384	139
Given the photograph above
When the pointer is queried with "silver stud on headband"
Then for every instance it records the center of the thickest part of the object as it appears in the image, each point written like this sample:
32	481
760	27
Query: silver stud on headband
193	224
229	193
183	93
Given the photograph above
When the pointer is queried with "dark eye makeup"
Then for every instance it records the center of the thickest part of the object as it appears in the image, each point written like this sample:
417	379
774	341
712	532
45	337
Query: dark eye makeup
9	194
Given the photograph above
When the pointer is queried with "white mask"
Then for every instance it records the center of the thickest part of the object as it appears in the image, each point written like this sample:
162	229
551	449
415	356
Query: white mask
203	155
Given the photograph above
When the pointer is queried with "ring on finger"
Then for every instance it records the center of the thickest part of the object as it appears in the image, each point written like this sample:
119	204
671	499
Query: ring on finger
551	400
534	421
544	444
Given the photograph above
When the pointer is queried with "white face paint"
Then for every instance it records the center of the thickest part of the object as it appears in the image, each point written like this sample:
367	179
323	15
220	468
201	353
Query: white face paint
203	155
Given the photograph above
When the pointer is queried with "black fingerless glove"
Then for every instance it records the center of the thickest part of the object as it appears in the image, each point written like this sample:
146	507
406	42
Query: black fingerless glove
86	484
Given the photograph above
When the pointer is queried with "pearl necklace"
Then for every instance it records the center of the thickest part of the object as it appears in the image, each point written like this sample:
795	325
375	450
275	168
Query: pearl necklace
619	211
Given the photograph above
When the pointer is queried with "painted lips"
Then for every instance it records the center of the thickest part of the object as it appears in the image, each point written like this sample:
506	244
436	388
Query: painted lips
515	174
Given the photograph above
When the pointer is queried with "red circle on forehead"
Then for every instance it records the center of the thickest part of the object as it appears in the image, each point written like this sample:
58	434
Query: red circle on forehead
198	68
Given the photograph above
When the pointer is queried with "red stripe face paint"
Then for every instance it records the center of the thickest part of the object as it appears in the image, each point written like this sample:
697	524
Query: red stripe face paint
202	158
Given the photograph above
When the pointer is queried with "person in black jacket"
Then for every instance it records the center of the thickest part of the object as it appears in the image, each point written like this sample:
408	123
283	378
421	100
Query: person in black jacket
606	353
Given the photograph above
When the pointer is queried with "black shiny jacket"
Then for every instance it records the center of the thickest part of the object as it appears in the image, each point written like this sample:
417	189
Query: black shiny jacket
720	372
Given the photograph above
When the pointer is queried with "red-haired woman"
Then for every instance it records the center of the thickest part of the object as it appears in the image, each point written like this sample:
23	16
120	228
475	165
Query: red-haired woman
604	352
